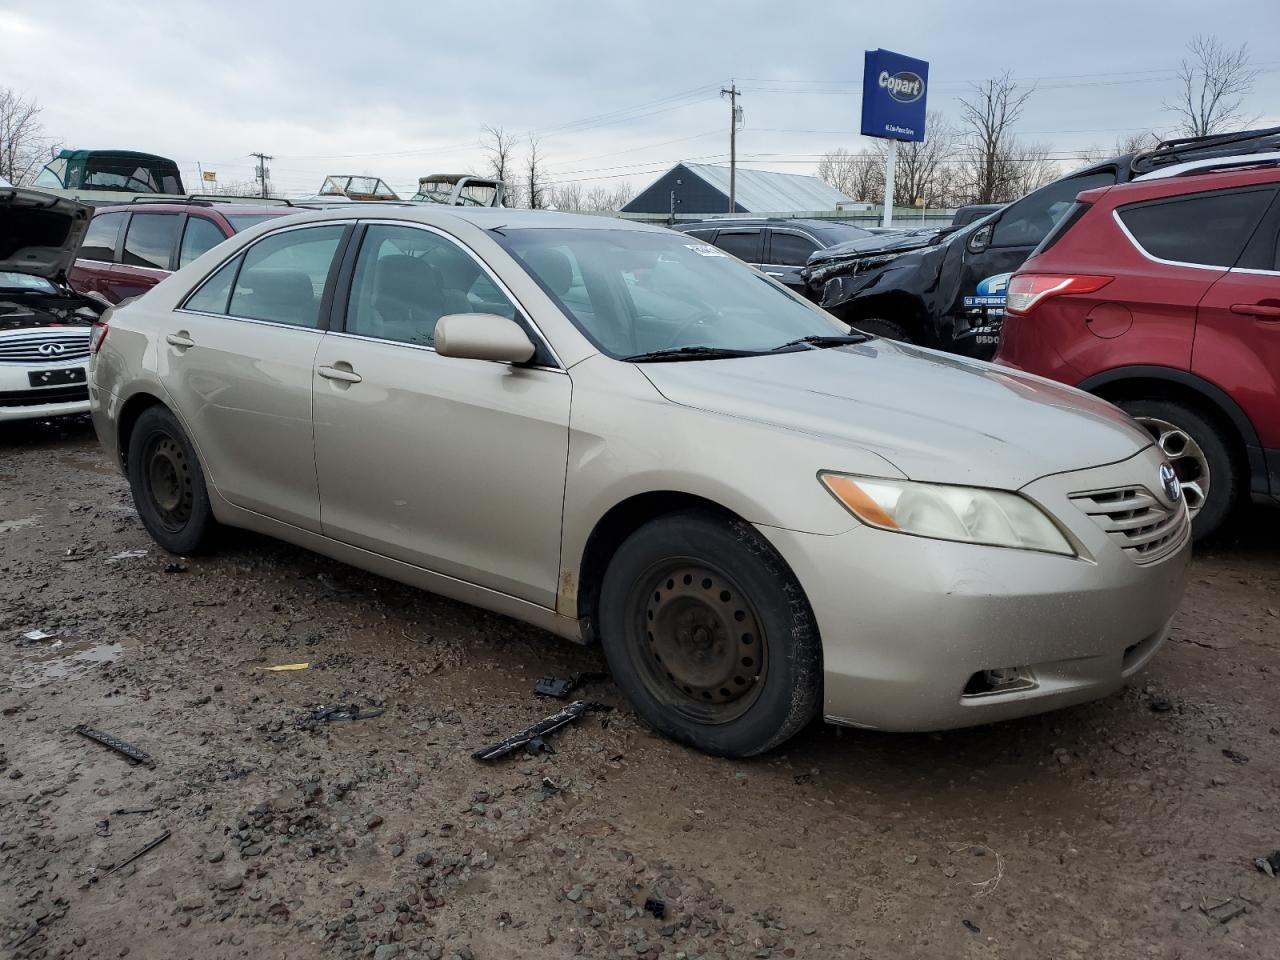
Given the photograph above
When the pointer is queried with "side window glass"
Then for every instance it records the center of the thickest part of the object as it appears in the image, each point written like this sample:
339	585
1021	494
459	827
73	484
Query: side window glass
406	279
1210	229
703	235
100	239
149	240
790	249
1029	221
743	244
283	276
201	235
213	295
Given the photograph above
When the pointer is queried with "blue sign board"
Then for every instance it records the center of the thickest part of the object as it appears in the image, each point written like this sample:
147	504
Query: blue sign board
894	91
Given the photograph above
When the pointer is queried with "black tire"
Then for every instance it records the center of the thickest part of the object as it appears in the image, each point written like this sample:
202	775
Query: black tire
1222	484
748	641
883	328
168	484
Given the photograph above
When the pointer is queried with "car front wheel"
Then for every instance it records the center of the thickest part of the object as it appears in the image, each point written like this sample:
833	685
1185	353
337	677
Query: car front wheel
1196	447
168	484
710	636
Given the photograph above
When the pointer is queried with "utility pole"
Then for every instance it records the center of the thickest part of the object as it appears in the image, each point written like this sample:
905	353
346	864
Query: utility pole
735	117
262	170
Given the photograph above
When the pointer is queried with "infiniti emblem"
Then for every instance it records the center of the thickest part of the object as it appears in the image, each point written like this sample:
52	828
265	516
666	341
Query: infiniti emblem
50	349
1169	483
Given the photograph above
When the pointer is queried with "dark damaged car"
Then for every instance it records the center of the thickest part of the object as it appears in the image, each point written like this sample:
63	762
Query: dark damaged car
45	326
947	290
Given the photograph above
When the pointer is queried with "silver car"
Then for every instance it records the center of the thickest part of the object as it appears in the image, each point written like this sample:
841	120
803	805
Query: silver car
627	437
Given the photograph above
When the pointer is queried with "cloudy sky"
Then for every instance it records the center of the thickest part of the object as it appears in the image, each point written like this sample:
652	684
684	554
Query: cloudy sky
616	91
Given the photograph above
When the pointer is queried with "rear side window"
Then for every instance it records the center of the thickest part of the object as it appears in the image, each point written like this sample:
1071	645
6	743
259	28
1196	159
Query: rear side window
790	249
100	239
201	235
283	276
743	244
1207	230
213	296
149	240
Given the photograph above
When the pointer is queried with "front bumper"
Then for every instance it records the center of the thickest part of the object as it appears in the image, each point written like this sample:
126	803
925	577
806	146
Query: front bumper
19	400
907	623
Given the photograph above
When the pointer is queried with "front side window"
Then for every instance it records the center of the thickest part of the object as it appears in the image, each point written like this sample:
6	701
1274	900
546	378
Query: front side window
149	240
632	292
1027	222
406	279
743	244
1208	230
790	249
100	239
201	235
52	174
284	274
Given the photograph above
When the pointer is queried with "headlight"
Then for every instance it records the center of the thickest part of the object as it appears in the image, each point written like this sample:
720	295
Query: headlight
967	514
879	260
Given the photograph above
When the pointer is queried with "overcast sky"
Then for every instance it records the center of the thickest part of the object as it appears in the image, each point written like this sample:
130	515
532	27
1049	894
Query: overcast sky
617	91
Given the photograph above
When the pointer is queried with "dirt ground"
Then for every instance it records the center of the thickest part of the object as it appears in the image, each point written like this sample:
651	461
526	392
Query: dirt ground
1111	830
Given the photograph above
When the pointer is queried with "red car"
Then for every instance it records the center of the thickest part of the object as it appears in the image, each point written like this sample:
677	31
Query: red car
130	248
1162	295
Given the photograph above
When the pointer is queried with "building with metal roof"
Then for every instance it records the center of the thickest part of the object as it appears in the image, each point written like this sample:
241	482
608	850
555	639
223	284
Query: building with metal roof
703	188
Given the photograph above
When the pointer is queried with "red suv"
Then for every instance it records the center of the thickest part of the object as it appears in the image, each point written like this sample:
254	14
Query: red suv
129	248
1162	295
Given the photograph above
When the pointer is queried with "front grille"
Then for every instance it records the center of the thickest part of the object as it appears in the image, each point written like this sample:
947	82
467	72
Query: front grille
1144	527
58	344
34	398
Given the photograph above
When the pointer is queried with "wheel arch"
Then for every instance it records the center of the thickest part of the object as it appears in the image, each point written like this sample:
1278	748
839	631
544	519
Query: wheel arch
130	411
898	307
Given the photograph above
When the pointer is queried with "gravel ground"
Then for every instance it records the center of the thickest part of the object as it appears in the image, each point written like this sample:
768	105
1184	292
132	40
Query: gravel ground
1126	828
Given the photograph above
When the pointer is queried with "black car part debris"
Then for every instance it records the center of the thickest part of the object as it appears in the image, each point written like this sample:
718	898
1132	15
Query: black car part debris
124	811
345	711
560	688
142	852
1269	865
128	750
971	926
657	907
531	738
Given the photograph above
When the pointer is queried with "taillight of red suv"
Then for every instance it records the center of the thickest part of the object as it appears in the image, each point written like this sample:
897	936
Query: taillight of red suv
1028	290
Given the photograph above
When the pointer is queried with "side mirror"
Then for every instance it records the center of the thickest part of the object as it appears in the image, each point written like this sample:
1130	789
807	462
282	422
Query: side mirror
482	336
980	239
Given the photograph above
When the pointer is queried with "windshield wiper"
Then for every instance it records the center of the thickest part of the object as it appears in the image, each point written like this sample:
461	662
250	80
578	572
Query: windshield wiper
689	353
821	340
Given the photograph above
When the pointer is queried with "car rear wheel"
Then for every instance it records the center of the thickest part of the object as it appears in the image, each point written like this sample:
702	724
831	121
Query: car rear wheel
709	635
883	328
1196	447
168	484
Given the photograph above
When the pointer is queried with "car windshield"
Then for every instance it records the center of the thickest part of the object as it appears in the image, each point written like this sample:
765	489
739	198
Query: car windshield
243	221
23	281
634	292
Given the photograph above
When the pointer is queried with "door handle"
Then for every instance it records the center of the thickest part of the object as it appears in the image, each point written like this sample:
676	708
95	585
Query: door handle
771	273
343	373
180	339
1264	311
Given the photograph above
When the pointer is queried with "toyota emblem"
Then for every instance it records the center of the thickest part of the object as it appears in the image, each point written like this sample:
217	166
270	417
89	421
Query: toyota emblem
50	349
1169	483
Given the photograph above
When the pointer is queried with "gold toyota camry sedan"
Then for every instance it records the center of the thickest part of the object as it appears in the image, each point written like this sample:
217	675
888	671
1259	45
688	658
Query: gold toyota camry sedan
626	437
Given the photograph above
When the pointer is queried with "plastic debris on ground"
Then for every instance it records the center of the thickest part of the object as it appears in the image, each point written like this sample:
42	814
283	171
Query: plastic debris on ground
127	750
656	907
1223	910
140	853
287	666
1269	865
126	555
560	687
532	737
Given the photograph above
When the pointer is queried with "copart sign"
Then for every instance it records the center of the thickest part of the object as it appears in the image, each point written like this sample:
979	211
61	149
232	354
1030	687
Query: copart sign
894	93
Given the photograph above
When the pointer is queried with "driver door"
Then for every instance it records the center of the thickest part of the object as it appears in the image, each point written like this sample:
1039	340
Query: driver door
456	466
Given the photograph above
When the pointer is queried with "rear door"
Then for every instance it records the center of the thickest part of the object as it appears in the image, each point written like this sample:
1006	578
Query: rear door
787	251
1237	340
237	360
99	250
146	258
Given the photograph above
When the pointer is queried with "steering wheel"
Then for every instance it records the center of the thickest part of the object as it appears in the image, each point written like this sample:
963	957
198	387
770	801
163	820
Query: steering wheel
701	317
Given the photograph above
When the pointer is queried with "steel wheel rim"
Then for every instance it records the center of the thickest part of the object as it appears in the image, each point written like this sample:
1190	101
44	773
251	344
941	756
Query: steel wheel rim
167	478
1187	458
697	640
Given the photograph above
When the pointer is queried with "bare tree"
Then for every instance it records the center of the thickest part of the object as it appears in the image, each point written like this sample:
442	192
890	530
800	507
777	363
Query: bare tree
597	199
499	146
859	176
1212	84
921	169
988	116
534	177
24	149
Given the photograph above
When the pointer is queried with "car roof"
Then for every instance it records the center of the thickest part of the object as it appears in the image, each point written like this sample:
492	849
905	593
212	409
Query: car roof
485	218
1195	182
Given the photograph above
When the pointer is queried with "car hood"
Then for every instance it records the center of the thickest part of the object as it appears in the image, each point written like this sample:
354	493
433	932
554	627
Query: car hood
871	246
935	416
40	233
